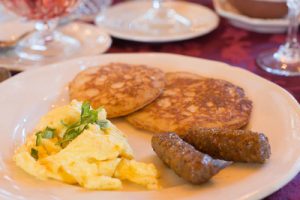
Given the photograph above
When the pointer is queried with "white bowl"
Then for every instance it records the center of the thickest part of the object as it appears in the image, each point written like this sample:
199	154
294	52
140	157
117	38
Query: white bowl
226	10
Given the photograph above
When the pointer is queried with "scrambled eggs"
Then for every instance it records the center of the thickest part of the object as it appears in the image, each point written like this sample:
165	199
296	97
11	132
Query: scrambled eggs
77	145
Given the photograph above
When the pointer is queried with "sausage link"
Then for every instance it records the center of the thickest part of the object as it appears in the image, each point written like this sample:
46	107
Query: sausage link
232	145
184	159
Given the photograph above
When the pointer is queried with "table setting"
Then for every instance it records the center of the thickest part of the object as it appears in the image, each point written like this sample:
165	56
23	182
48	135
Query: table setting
144	99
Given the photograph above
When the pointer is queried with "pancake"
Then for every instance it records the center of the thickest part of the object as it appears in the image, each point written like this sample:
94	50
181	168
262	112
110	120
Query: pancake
190	101
120	88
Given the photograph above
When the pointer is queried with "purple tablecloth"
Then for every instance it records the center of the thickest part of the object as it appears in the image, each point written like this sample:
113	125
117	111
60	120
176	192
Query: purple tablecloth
233	46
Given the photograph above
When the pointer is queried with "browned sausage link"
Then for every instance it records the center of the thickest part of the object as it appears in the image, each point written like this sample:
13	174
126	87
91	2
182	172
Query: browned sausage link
233	145
184	159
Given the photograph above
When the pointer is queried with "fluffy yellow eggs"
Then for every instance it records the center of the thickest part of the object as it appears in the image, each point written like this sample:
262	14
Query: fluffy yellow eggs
78	145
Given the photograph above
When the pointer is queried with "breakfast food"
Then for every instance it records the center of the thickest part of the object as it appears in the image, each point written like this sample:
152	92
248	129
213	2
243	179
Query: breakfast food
78	145
120	88
233	145
184	159
191	100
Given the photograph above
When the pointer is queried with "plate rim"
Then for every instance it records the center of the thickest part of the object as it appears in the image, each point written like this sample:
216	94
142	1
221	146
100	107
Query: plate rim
269	189
151	39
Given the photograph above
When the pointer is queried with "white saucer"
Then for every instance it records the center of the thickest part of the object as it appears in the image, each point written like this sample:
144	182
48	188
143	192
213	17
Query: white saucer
93	39
226	10
117	18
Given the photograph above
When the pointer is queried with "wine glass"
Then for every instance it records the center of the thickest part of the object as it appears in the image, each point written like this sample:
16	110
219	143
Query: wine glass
45	43
160	18
286	59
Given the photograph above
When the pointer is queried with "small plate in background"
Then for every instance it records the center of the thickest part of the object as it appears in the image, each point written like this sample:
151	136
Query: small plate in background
117	21
93	40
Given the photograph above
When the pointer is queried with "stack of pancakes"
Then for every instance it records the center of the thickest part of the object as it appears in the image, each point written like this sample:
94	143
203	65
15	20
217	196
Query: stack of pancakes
162	102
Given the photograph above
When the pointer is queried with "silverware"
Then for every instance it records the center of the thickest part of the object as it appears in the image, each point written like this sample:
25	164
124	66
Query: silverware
4	74
14	42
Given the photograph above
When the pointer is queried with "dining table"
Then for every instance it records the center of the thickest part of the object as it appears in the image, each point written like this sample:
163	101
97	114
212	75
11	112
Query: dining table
236	47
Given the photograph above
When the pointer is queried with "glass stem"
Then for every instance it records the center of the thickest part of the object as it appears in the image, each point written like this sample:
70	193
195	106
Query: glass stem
156	4
43	35
43	30
292	40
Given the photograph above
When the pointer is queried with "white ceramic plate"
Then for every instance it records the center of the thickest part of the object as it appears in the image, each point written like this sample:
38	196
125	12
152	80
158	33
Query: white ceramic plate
226	10
117	18
93	40
25	97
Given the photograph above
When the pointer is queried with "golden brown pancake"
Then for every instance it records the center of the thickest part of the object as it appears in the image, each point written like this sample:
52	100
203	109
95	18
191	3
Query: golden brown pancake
190	101
120	88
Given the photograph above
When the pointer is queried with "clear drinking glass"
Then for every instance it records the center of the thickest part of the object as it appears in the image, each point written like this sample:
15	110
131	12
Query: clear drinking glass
45	42
285	60
160	18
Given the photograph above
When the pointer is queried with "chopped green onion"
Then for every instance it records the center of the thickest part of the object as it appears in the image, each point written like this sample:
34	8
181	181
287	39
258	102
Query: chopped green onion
87	116
38	140
48	133
63	123
71	135
103	124
34	153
